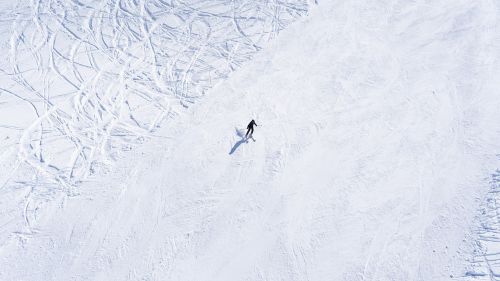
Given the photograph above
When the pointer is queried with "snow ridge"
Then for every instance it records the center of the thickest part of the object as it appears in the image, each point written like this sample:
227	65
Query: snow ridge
486	262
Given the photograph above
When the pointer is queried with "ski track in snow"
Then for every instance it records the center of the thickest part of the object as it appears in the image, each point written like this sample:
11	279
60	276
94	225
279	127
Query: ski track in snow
486	260
83	82
94	77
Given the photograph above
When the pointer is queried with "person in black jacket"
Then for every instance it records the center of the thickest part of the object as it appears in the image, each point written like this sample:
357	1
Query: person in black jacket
250	128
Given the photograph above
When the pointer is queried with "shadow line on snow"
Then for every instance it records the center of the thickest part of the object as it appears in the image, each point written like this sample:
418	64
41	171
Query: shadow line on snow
240	142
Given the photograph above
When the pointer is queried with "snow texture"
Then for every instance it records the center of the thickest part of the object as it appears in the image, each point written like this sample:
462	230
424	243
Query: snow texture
123	158
93	77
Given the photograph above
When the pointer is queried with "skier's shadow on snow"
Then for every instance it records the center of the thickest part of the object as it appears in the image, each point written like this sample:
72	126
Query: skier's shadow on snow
243	139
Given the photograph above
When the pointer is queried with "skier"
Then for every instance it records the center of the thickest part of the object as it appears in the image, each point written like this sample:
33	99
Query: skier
250	128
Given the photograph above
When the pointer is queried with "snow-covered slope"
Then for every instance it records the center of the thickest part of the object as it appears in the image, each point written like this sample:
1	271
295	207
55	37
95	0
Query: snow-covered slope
377	140
83	81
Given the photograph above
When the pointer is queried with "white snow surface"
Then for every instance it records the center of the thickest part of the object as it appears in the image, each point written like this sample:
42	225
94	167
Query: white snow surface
376	156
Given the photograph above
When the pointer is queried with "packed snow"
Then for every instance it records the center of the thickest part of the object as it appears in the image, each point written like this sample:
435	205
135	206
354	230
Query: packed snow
376	155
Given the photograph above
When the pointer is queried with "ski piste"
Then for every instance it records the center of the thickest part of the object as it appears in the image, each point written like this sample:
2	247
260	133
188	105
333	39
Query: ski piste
120	160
